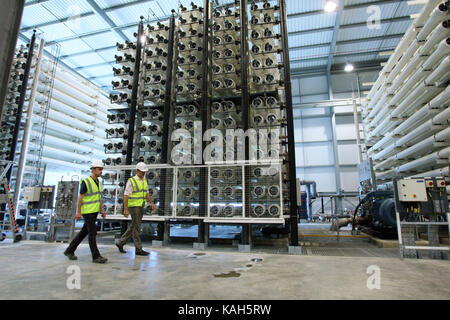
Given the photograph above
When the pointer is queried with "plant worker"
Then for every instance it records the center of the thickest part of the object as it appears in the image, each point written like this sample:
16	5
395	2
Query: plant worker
89	205
136	192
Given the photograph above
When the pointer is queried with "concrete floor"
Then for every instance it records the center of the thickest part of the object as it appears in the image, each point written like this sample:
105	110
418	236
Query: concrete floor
38	270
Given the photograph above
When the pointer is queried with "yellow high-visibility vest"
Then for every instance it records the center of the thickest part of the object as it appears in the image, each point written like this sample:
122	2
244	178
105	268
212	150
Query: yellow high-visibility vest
92	198
138	197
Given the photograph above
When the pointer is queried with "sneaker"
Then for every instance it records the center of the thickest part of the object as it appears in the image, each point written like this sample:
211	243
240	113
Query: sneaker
71	256
120	248
142	253
99	259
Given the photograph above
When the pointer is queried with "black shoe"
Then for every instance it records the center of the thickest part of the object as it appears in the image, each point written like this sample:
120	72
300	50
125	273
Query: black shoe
99	259
71	256
120	248
142	253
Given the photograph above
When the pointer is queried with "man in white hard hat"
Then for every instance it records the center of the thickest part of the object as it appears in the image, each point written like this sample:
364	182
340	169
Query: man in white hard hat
89	205
136	192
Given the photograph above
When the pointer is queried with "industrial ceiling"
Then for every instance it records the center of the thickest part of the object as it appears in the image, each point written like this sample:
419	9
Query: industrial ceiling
87	31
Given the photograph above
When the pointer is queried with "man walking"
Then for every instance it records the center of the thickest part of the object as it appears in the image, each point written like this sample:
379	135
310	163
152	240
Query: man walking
136	192
89	205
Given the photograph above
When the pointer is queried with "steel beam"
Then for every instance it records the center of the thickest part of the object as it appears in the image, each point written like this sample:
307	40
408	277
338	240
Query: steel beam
107	19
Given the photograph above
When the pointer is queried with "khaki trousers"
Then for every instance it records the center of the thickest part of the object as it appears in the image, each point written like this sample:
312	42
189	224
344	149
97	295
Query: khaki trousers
134	229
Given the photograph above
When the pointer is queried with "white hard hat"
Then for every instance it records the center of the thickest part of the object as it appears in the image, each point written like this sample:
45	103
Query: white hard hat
97	164
141	166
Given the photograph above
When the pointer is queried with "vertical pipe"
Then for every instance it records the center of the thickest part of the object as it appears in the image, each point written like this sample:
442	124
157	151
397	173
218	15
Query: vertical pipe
204	118
166	115
132	117
290	127
21	103
358	134
28	127
245	98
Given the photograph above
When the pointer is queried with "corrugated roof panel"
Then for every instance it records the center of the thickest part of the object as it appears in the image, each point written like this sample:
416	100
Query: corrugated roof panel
107	55
359	58
63	8
88	58
103	40
310	39
309	53
87	24
309	64
133	13
311	22
361	32
54	32
99	70
111	3
295	6
73	46
35	15
358	46
405	9
399	27
358	15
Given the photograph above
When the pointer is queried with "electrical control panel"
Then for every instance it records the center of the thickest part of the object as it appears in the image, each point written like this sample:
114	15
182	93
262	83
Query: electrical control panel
32	194
67	199
421	199
412	190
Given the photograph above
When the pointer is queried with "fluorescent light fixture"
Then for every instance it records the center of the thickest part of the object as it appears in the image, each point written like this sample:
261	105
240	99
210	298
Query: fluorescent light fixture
386	53
349	67
330	6
368	84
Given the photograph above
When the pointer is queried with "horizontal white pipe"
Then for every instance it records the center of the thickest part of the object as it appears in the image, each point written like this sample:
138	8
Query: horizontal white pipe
424	145
57	152
422	93
442	71
66	164
442	50
425	13
432	125
439	33
74	132
65	144
425	161
437	15
441	172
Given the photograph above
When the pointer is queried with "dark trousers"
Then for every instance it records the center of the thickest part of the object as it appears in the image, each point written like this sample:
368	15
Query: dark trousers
89	229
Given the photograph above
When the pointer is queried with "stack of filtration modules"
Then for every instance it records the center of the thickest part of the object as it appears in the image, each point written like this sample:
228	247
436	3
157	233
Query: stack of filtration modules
222	68
406	115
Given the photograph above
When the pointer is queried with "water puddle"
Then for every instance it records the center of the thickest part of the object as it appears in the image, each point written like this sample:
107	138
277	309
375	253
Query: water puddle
256	259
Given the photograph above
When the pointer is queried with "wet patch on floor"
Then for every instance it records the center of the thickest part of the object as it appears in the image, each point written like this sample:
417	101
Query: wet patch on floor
232	274
256	260
116	268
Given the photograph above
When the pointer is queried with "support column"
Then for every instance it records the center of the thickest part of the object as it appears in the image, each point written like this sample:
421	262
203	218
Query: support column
11	15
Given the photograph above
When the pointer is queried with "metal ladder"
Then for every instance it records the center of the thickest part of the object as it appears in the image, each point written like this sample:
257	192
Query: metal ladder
6	201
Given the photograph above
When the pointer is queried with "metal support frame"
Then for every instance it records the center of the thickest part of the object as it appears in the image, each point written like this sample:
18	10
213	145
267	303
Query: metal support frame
245	98
133	107
21	104
28	127
290	128
204	111
166	122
